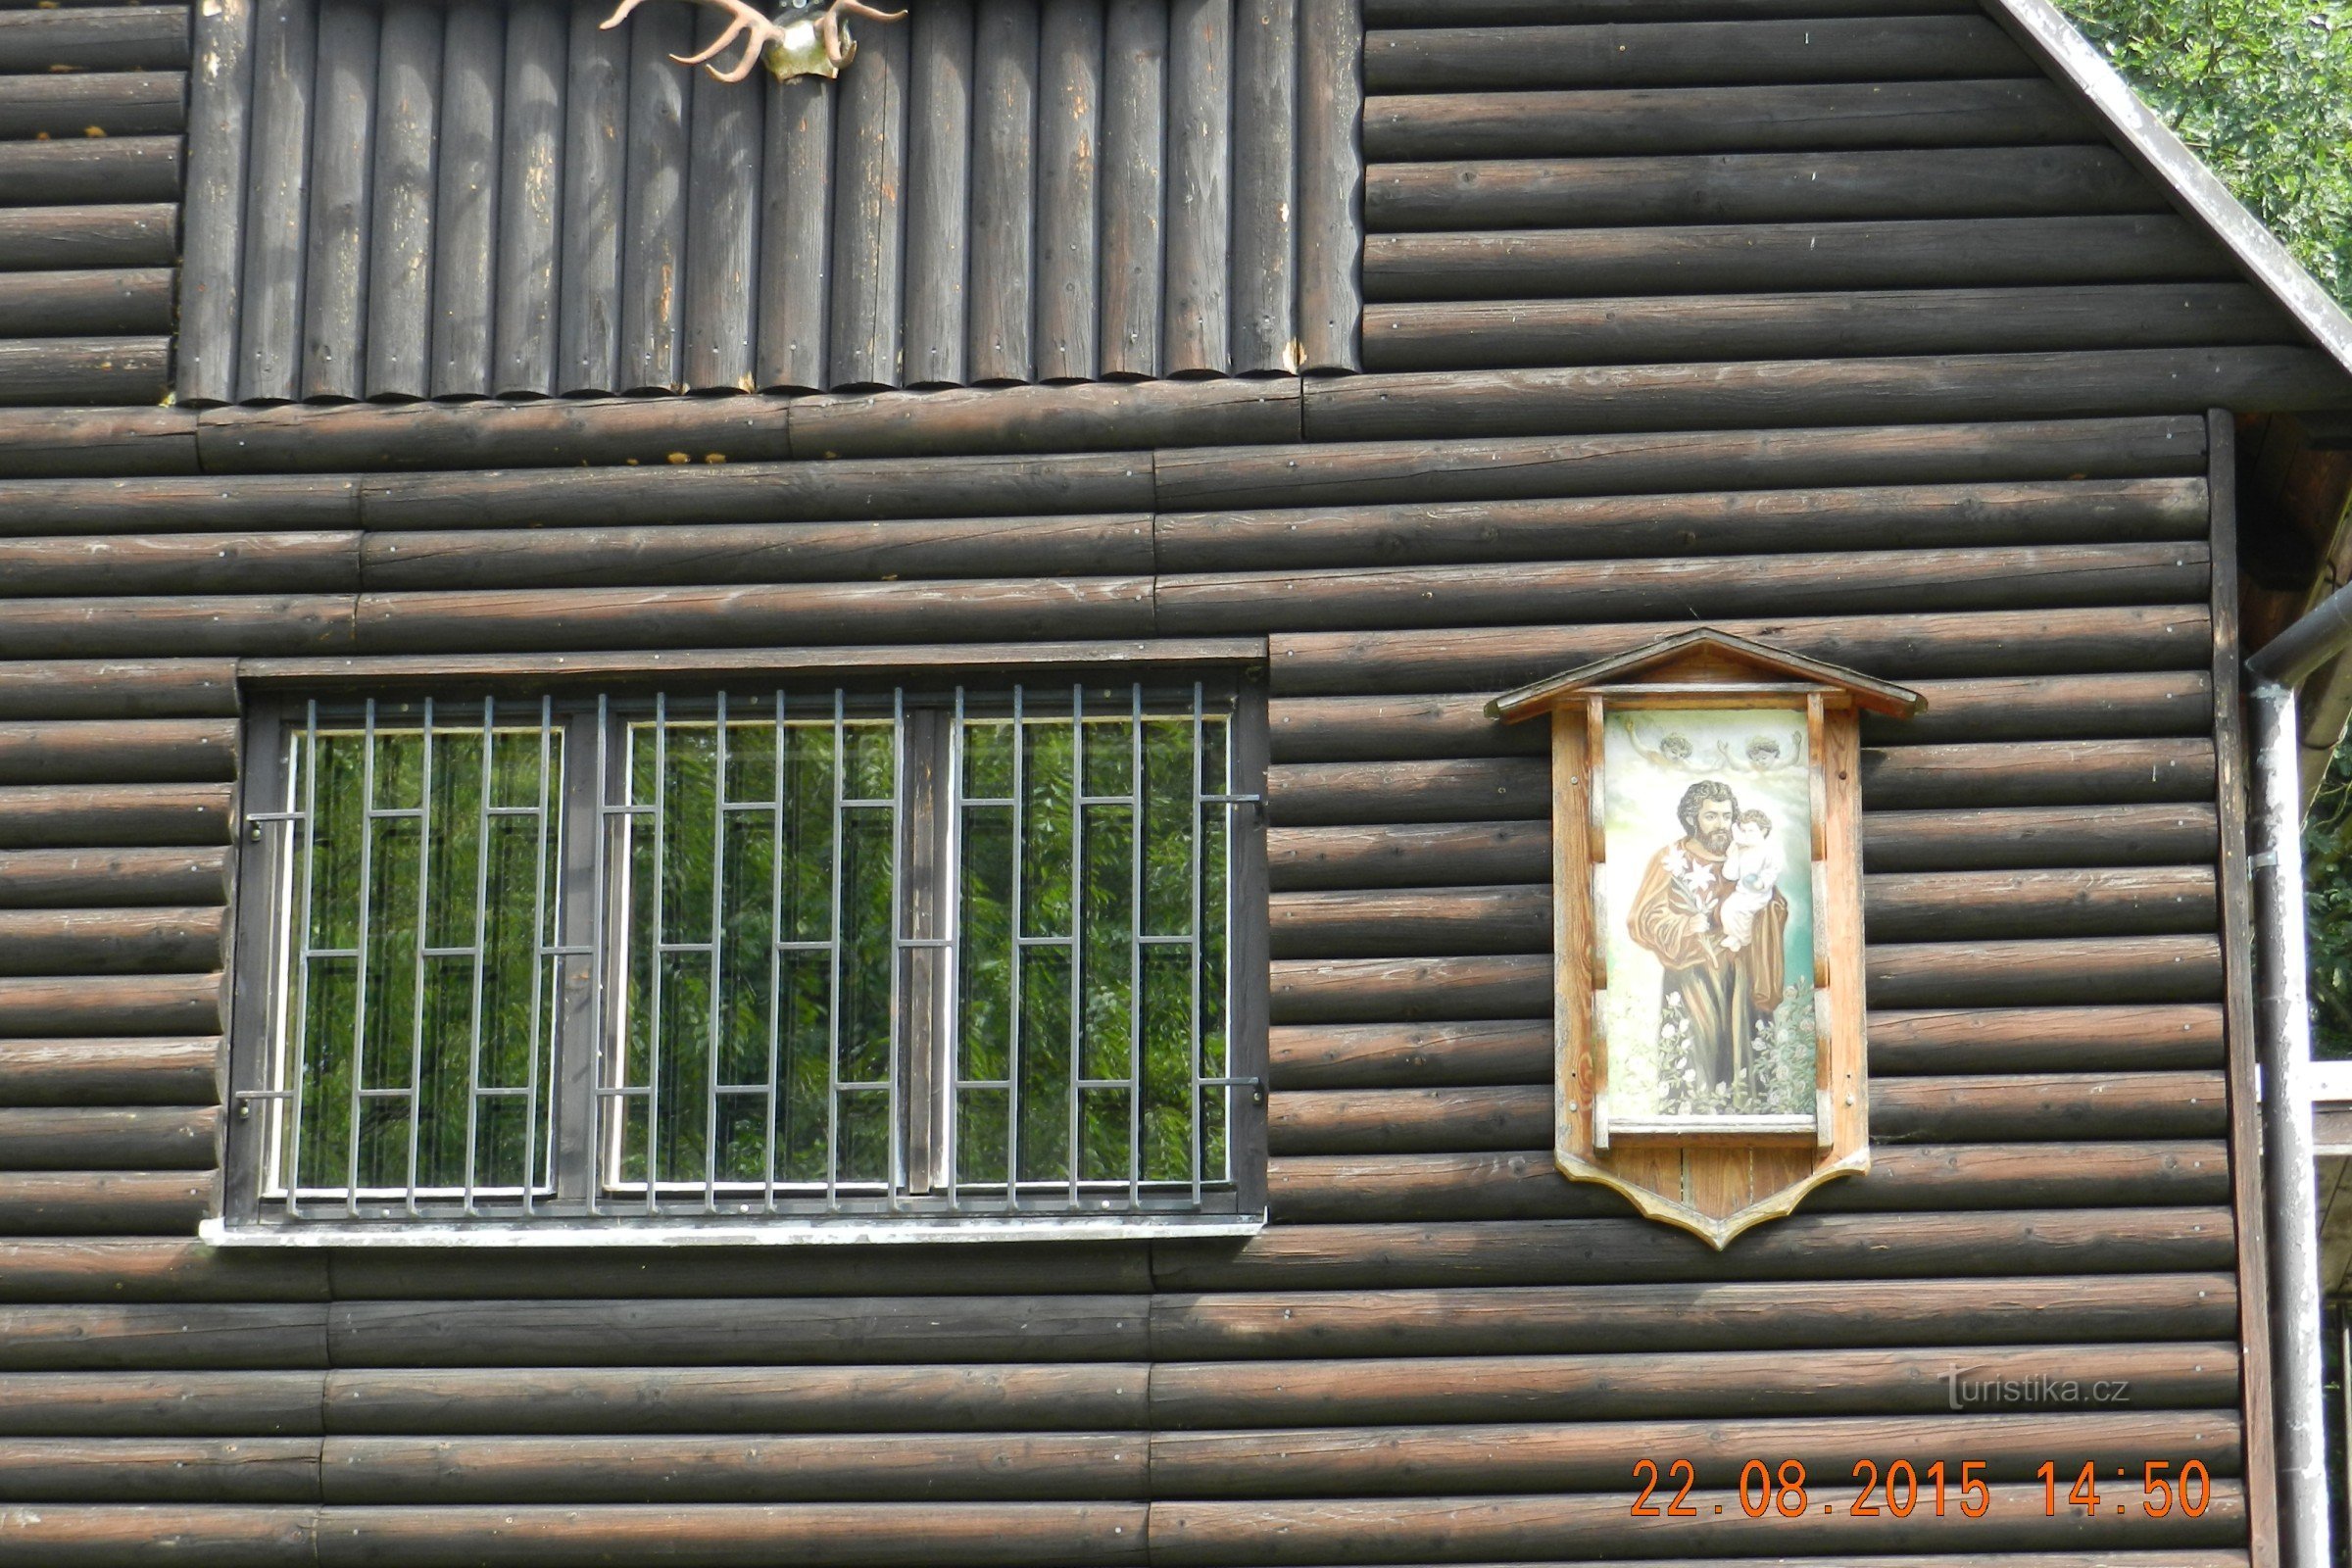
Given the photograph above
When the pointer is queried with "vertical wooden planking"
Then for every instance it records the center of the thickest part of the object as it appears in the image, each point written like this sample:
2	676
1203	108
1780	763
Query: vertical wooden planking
530	180
939	140
869	168
1068	251
721	224
1004	138
466	209
1331	183
796	235
269	303
596	119
400	234
213	215
342	141
653	246
1195	331
1134	125
1266	187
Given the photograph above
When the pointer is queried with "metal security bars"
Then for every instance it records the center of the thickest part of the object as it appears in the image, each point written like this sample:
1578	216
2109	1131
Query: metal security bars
890	958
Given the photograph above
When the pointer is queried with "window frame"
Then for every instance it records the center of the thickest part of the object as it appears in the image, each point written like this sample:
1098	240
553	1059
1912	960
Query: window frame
592	929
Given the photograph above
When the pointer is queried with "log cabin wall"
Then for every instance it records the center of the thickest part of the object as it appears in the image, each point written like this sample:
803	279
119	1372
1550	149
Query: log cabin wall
484	198
1439	1350
92	107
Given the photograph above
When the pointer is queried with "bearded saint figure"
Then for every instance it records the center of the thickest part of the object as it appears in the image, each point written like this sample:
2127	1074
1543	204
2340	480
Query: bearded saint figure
1676	916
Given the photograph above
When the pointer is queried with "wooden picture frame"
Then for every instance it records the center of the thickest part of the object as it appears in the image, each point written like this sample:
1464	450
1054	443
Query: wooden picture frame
1708	924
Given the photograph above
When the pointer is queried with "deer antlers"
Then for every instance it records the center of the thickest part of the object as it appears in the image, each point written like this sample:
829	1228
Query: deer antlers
803	46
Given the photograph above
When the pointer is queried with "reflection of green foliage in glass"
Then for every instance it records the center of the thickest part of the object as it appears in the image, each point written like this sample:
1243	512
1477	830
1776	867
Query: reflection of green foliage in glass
456	878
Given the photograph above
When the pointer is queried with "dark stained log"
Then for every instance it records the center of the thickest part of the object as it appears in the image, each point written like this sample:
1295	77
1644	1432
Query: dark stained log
79	815
1412	1121
881	491
86	369
1264	264
597	134
2037	836
401	235
1703	258
939	193
1046	418
1196	1533
1816	117
197	1534
2119	901
269	302
1690	53
245	625
1727	1385
2029	511
109	1137
653	217
334	292
867	298
771	553
219	120
1418	467
109	1072
171	1272
136	941
1411	922
1134	161
1410	990
118	168
796	235
722	226
1069	275
152	1338
1331	183
2133	969
2038	773
140	234
1004	303
159	1404
1585	1456
1492	789
578	619
1407	854
1859	583
440	436
96	1202
1196	301
111	1004
734	1332
166	688
1671	328
466	202
1074	1396
1673	1321
1509	13
98	37
890	1468
1815	392
1367	1055
127	103
531	180
234	1471
182	563
43	879
1358	1189
1804	1245
1989	1040
703	665
1754	188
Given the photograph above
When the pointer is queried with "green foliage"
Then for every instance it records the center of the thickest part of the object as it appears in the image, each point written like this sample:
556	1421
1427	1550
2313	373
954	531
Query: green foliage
2328	894
2261	90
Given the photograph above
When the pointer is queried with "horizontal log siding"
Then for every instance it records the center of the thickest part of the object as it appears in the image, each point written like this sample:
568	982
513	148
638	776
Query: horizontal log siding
1017	191
92	110
1563	185
1436	1323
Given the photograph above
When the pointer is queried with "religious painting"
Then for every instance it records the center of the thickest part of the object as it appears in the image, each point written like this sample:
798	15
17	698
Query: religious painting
1708	923
1707	915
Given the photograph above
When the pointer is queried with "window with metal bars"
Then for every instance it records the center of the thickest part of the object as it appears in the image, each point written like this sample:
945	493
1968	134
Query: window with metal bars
889	960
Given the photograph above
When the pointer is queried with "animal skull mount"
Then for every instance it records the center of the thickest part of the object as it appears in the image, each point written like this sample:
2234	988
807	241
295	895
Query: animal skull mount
805	42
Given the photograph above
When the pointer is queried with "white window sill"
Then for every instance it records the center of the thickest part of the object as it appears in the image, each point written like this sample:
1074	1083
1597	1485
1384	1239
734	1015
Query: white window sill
847	1232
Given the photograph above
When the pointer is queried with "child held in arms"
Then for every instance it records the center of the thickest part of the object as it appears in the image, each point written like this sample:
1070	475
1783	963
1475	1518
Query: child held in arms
1754	865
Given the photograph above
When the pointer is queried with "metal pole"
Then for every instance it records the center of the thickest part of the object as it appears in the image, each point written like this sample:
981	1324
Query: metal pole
2282	1030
